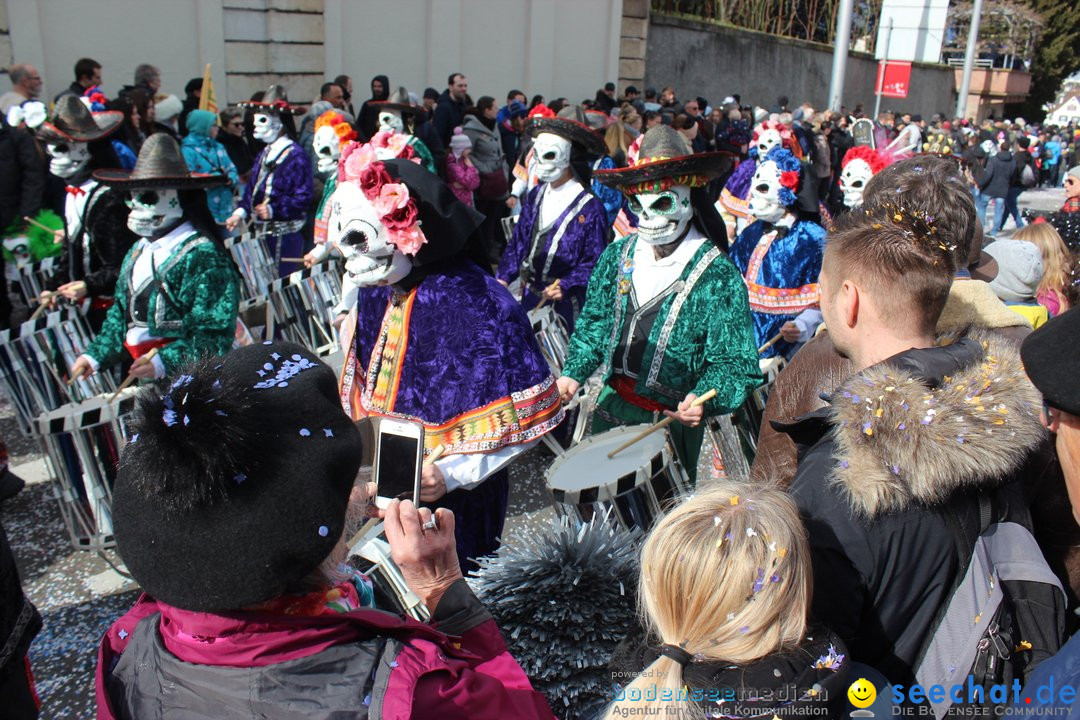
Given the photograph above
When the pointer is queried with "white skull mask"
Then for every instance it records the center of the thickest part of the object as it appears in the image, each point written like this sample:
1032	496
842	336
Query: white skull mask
267	128
766	141
67	159
354	226
552	155
765	193
327	148
853	181
989	147
153	212
390	121
663	216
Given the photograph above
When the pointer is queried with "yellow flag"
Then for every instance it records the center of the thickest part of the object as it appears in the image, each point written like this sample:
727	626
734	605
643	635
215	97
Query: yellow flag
207	100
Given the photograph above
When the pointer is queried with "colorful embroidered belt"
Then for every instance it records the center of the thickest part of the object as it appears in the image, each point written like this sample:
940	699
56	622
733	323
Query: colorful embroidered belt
624	388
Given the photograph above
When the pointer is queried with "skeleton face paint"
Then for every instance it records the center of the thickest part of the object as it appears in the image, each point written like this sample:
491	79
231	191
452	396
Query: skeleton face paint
390	120
153	211
327	148
370	258
662	216
765	193
767	140
552	155
268	128
67	159
853	181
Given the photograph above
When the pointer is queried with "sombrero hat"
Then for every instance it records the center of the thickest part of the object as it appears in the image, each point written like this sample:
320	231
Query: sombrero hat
663	161
398	101
73	122
276	101
160	165
569	124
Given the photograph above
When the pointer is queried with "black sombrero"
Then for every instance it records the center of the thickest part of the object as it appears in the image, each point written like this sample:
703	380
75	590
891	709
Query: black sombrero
276	101
73	122
160	165
398	101
569	124
664	154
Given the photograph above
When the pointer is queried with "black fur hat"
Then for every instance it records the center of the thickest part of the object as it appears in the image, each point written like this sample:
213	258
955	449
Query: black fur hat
237	478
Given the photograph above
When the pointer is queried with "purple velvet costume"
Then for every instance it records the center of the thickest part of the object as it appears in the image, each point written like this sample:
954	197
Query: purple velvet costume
582	230
287	185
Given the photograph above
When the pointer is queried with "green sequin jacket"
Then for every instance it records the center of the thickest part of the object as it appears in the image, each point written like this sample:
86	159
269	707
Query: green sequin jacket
195	302
702	338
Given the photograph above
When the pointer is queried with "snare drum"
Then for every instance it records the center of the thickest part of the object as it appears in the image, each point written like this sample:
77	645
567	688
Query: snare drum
371	556
83	443
552	336
638	483
301	307
257	268
34	362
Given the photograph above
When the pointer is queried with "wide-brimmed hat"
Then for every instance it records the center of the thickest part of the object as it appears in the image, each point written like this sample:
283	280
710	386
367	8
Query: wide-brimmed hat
399	101
235	484
275	102
160	165
664	160
569	124
73	122
1049	356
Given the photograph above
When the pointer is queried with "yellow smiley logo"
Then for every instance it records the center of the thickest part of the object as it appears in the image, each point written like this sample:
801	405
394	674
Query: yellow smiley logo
862	693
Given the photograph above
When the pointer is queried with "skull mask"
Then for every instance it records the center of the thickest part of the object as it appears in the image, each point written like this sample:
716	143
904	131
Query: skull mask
67	159
765	193
552	155
153	212
853	181
268	128
354	226
390	121
767	140
327	148
662	216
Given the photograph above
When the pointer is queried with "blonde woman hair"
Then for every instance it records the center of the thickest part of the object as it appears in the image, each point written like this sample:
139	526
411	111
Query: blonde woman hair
615	136
1057	260
725	576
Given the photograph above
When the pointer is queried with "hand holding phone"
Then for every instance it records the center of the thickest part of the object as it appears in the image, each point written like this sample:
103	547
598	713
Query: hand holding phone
398	456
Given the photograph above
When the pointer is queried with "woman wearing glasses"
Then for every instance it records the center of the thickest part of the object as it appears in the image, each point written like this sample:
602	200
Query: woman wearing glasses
232	138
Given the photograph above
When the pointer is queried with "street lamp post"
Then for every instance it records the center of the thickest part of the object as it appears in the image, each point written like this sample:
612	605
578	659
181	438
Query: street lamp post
840	53
969	60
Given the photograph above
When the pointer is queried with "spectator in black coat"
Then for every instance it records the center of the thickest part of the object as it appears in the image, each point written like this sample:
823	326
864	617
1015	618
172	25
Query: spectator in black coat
192	95
232	137
22	191
995	182
450	110
1019	182
368	122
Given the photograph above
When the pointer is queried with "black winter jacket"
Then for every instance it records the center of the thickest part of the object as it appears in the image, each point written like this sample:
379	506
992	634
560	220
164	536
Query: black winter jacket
110	240
999	171
22	175
900	445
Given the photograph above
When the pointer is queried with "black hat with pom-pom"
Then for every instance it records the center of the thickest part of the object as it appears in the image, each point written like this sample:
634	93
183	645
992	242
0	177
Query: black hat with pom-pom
236	481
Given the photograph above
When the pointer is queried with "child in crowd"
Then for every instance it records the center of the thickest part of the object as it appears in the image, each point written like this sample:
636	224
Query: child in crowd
725	587
461	174
1019	273
1058	266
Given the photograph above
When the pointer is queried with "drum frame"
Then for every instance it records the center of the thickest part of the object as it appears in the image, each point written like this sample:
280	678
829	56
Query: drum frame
300	307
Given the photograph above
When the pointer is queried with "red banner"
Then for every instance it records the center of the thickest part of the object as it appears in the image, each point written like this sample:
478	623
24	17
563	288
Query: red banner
896	80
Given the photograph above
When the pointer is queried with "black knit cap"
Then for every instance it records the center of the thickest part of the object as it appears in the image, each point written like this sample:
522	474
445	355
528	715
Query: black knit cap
1049	356
236	482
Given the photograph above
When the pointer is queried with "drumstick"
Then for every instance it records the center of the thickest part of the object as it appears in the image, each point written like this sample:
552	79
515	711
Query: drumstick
772	341
41	308
698	401
543	301
40	226
435	454
131	378
293	260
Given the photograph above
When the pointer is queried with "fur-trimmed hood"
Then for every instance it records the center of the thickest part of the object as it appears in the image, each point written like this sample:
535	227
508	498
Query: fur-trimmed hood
933	422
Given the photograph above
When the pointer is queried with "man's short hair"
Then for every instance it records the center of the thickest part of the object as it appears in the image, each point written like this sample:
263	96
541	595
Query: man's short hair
899	256
18	72
85	68
431	93
631	90
932	185
610	87
327	87
146	72
453	76
513	94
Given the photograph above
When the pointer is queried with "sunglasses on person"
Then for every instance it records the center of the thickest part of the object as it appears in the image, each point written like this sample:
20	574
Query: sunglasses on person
1049	414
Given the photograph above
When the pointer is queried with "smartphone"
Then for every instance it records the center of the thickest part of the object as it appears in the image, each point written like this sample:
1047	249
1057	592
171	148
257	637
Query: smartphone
399	454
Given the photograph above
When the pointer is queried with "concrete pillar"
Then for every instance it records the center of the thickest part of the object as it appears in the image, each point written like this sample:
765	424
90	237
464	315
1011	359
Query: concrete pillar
632	44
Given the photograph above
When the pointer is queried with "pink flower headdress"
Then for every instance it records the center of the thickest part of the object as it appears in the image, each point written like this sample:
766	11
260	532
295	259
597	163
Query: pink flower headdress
396	209
396	143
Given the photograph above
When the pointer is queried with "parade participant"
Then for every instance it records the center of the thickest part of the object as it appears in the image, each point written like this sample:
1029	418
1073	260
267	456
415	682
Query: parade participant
563	227
860	163
666	314
435	339
332	132
96	235
396	116
234	505
734	201
178	288
279	191
779	256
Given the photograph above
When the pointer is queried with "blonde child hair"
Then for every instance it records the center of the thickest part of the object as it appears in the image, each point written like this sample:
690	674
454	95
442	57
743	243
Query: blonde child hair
725	576
1057	260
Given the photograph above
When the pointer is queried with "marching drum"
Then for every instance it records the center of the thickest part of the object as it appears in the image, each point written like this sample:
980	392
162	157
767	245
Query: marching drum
371	556
34	362
83	442
33	277
552	336
300	307
637	483
257	268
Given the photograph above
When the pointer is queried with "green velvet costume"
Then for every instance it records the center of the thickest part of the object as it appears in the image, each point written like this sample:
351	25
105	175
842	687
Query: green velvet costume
194	301
702	338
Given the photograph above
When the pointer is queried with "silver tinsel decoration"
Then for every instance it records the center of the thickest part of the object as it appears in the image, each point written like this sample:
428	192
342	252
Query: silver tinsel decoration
564	598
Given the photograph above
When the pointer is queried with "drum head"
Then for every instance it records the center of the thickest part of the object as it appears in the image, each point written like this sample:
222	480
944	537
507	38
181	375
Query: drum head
587	465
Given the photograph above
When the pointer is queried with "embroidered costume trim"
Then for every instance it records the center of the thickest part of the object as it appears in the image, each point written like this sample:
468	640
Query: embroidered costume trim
776	301
385	365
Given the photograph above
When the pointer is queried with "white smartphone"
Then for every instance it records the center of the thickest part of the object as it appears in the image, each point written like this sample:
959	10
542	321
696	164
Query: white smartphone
399	454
